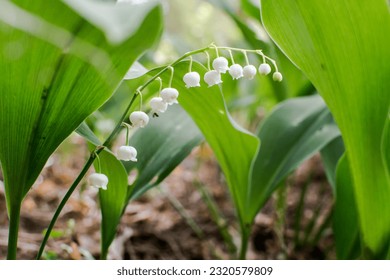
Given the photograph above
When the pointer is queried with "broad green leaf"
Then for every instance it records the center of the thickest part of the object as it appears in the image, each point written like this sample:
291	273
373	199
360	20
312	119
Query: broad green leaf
345	218
233	146
343	48
161	146
119	22
56	69
331	155
386	145
293	132
114	199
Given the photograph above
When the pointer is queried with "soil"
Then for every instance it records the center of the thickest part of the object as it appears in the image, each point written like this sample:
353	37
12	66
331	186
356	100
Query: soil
153	227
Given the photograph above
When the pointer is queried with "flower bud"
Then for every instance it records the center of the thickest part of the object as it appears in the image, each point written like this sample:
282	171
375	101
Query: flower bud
236	71
98	180
169	95
158	105
192	79
220	64
249	72
264	69
127	153
139	119
277	77
212	77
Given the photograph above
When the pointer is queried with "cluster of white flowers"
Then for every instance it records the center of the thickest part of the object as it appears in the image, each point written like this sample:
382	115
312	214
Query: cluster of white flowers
236	71
168	96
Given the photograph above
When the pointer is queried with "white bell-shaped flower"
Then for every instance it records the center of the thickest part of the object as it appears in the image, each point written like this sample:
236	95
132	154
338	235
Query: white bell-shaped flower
127	153
212	77
192	79
139	119
249	72
169	95
264	69
236	71
221	64
158	105
98	180
277	76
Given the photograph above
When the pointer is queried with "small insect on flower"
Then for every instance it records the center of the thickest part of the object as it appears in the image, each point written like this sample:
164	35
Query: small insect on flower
264	69
98	180
139	119
158	105
249	72
236	71
169	95
192	79
212	77
277	76
221	64
127	153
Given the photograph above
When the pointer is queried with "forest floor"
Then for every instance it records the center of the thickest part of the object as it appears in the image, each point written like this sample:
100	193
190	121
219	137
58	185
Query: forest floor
173	221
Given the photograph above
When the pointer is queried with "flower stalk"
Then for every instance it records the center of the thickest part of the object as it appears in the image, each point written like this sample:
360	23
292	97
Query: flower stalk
15	216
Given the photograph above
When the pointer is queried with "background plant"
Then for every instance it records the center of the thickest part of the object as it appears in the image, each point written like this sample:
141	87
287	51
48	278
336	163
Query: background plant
69	69
261	144
355	91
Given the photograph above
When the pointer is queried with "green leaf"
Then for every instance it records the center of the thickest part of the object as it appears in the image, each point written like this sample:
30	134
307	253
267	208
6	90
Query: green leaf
136	70
161	146
345	218
233	146
343	48
57	69
119	21
88	134
386	145
114	199
331	155
293	132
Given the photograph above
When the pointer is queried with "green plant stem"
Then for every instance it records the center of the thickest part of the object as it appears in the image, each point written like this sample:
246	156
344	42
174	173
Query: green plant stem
281	205
245	233
63	202
183	213
13	232
299	214
110	138
81	175
103	255
217	217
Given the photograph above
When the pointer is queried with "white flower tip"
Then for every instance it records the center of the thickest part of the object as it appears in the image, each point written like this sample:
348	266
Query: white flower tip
249	72
236	71
158	105
212	77
221	64
264	69
277	77
127	153
192	79
169	95
139	119
98	180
